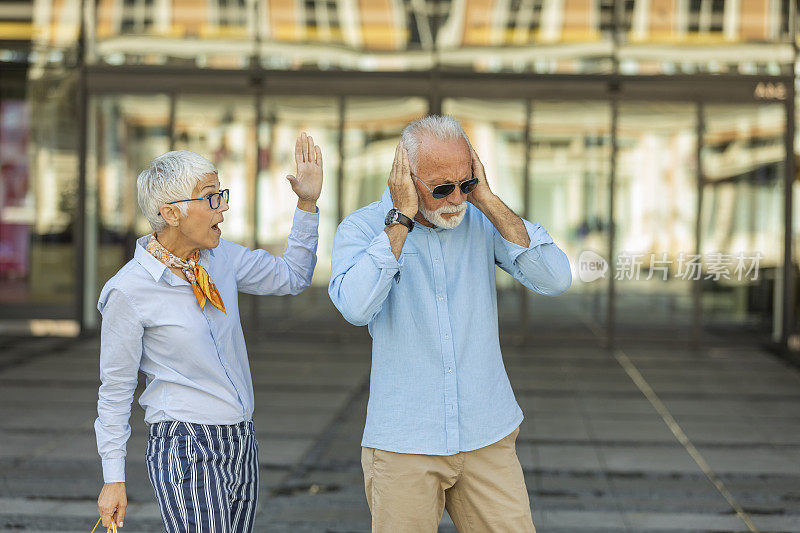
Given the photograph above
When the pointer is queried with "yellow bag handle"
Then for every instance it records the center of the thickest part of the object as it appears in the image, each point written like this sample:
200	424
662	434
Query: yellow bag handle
112	527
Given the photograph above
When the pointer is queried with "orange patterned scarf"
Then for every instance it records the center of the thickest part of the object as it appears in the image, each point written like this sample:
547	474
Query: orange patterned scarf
202	285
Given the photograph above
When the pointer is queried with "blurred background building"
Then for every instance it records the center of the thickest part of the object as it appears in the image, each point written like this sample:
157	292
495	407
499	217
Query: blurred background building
664	127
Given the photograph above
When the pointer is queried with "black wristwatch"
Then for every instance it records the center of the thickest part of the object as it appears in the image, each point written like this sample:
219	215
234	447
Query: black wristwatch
395	216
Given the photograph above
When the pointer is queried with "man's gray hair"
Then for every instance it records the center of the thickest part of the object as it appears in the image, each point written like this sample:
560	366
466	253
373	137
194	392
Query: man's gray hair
440	127
171	176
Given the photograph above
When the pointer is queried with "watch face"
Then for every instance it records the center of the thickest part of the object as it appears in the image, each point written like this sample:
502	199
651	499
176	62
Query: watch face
391	216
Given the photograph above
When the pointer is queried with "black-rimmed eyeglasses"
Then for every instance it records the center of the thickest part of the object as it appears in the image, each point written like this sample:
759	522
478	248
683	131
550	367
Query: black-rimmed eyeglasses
214	199
446	189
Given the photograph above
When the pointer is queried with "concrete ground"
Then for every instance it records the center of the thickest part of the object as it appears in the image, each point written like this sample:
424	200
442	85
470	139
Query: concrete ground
648	437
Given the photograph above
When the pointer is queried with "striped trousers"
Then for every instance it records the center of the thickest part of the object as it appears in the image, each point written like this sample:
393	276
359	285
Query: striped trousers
205	477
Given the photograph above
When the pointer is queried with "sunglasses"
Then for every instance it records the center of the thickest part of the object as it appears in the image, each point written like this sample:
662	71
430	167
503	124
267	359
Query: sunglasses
444	190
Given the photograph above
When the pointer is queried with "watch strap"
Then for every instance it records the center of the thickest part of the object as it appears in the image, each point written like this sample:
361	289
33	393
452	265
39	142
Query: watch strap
396	217
404	220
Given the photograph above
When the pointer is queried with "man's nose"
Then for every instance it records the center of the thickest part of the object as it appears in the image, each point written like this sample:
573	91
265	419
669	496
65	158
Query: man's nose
457	197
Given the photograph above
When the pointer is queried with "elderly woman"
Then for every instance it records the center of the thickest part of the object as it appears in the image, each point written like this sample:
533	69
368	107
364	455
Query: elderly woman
172	313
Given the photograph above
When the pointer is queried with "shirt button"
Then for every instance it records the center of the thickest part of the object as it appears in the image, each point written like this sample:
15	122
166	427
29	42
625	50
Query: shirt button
446	336
437	259
449	369
441	297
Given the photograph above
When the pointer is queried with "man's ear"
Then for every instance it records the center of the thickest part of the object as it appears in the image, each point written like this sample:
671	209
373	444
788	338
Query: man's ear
170	214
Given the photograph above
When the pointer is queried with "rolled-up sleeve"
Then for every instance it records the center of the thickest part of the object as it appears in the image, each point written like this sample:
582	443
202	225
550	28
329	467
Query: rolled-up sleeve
120	355
541	266
259	272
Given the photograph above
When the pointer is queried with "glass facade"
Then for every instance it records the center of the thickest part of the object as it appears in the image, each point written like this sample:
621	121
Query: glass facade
282	120
743	204
125	132
655	211
569	178
544	36
646	132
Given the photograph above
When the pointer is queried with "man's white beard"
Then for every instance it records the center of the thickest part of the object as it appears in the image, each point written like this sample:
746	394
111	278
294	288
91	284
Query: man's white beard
435	217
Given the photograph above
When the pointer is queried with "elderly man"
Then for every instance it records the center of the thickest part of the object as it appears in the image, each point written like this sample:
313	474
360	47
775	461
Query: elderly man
172	313
418	267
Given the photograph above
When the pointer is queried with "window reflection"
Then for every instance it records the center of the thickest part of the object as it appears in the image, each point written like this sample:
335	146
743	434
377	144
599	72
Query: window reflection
571	36
283	119
38	206
223	130
17	215
496	130
569	150
743	161
128	132
372	130
569	172
656	202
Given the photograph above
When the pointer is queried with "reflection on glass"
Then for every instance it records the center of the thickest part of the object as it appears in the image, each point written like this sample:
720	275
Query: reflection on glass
214	34
372	130
569	178
743	162
283	119
222	129
567	36
545	37
128	132
17	213
667	37
16	34
38	168
56	26
497	132
655	213
707	21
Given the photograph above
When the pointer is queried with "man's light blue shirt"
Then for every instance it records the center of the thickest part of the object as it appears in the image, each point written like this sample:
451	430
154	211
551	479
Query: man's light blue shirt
438	385
195	360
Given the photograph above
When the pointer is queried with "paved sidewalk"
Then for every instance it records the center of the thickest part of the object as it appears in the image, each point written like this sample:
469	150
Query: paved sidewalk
599	454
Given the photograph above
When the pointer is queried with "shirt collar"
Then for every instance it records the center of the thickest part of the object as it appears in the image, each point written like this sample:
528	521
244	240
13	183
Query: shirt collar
155	267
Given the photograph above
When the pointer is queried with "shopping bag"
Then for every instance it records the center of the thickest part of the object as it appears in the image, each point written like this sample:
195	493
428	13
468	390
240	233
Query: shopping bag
112	527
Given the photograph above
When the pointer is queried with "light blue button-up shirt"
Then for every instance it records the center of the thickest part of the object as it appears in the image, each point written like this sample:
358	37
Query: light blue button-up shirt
194	359
438	385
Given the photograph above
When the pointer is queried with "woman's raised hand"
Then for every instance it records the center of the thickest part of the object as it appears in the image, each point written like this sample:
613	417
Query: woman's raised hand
307	181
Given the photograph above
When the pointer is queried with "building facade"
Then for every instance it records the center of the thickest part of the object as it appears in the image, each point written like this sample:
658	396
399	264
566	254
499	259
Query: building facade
656	137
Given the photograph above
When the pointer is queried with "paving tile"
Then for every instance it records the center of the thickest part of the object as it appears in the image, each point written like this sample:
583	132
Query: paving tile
565	457
648	459
762	461
597	456
570	428
683	522
579	520
630	430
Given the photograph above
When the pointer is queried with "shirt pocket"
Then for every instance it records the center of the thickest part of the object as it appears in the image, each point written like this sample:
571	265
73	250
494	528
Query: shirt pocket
410	256
410	261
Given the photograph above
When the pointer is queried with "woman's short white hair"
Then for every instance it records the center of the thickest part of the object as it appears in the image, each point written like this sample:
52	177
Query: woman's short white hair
171	176
440	127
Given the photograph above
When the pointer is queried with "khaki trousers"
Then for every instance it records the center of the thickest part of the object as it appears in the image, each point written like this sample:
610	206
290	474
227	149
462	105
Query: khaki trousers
483	490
